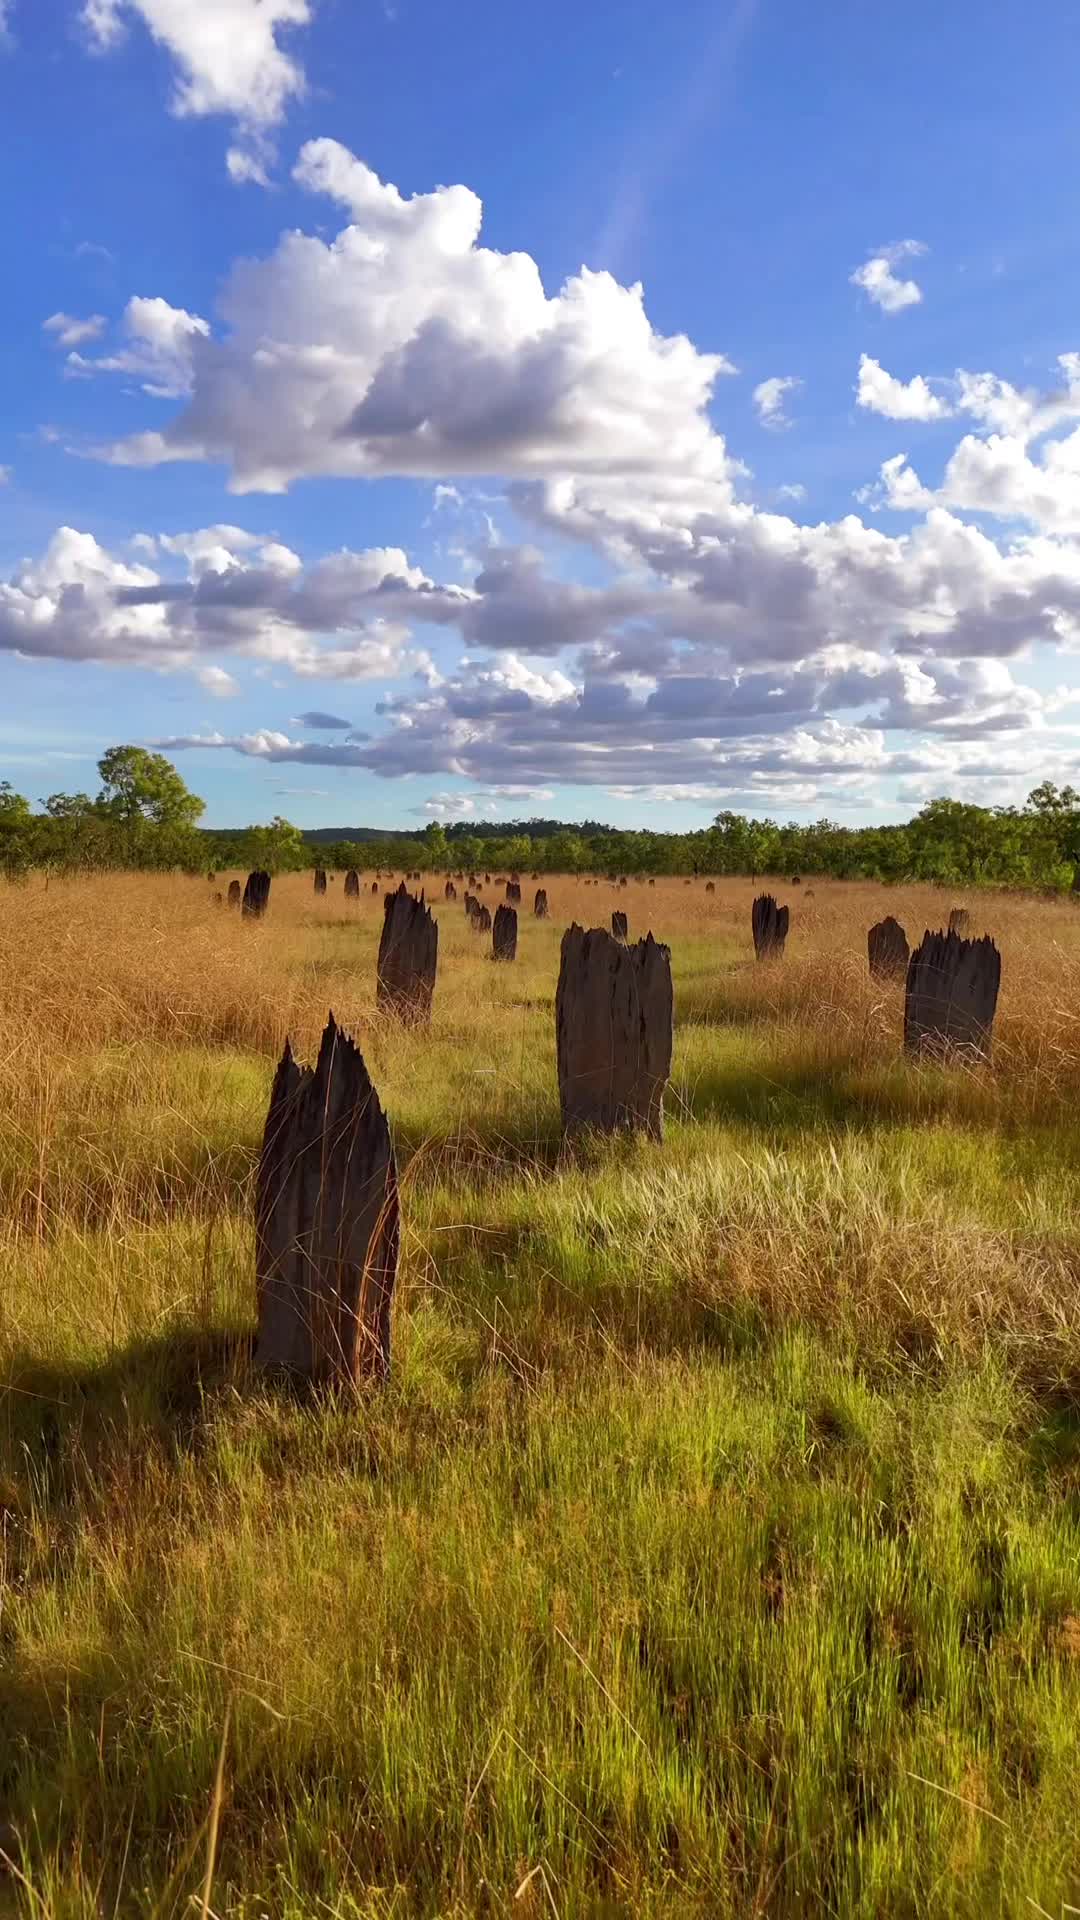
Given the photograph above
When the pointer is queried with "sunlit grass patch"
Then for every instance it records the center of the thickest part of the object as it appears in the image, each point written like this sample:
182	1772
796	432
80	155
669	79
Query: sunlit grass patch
713	1550
660	1621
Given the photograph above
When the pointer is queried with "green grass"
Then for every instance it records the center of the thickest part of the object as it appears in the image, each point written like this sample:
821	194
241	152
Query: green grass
719	1635
714	1550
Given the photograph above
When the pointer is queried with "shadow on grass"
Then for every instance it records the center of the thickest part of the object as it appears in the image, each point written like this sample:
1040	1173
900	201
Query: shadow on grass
536	1319
56	1416
797	1100
1053	1449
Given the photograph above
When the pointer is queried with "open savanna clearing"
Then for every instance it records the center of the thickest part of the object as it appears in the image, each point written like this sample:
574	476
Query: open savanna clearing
715	1546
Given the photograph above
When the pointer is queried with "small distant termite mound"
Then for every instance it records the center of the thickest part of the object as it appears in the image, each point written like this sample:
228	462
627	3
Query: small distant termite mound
504	933
888	950
769	924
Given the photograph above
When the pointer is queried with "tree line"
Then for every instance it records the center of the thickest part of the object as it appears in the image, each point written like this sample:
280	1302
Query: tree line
145	817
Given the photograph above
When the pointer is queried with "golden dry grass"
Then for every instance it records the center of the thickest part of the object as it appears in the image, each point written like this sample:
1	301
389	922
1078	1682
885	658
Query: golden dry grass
716	1547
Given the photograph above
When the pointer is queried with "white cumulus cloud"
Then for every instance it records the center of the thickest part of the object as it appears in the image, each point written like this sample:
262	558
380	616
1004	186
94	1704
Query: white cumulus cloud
881	392
215	680
238	594
228	55
404	346
159	346
885	288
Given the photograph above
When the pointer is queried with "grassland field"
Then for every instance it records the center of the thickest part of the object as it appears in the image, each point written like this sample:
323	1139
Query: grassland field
714	1549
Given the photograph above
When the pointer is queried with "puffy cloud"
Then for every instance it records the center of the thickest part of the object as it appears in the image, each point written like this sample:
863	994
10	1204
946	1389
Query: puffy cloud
228	56
749	619
898	486
995	403
770	396
726	648
760	587
885	288
159	352
215	680
1022	466
841	764
881	392
508	726
71	332
471	751
66	606
240	594
403	346
999	476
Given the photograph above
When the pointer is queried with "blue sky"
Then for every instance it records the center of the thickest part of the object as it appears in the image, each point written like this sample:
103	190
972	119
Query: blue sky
330	397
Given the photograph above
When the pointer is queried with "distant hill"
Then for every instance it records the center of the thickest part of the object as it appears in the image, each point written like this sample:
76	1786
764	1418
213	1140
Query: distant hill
324	836
459	830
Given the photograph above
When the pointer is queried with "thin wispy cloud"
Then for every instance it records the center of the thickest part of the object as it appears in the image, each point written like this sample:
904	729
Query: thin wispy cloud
770	399
654	152
69	331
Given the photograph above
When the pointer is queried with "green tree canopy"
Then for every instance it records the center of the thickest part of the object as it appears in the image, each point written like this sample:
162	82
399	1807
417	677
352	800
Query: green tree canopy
141	786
